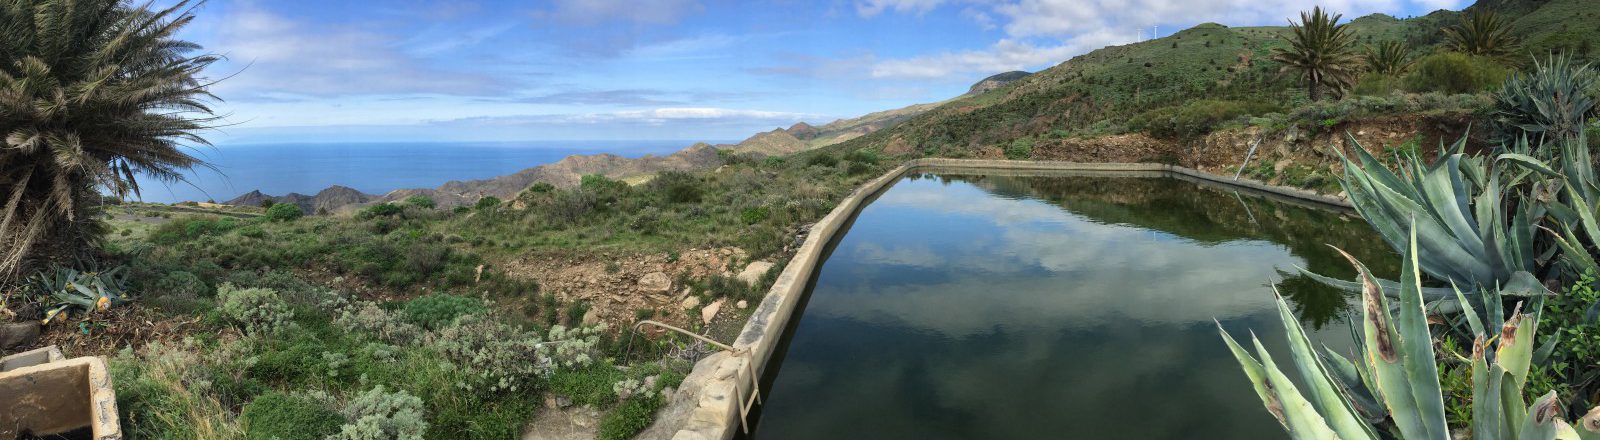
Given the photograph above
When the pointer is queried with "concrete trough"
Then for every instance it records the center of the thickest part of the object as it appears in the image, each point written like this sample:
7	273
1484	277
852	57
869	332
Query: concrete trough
42	394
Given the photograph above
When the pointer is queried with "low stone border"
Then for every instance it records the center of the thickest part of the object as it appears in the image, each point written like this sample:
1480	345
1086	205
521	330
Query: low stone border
706	405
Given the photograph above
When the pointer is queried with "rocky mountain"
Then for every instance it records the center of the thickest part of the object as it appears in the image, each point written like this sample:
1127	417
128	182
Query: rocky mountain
327	200
994	82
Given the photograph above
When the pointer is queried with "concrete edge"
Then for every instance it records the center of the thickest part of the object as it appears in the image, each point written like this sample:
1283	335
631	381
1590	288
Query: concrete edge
718	383
102	418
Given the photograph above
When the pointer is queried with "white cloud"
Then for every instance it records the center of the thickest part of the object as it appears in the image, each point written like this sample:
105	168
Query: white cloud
1007	54
1045	32
590	12
280	56
869	8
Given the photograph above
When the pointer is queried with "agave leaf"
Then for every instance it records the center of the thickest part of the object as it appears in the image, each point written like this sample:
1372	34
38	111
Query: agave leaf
1529	163
1257	375
1515	347
1355	388
1322	391
1299	414
1471	314
1589	426
1488	416
1542	419
1385	357
1416	347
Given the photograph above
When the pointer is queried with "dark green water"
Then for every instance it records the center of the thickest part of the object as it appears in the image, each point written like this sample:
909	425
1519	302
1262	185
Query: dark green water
988	307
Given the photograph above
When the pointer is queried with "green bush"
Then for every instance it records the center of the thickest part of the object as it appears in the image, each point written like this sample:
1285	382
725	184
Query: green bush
1020	149
420	201
822	159
754	215
257	311
488	202
279	416
865	156
379	210
596	182
1454	72
1197	118
284	212
677	187
1376	84
438	310
629	418
376	414
541	187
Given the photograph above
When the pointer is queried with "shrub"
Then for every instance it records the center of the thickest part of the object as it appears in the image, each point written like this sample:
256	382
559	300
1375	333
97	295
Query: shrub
368	318
420	201
1377	84
1020	149
493	355
628	418
754	215
541	187
486	203
677	187
596	182
1453	72
1196	118
257	311
376	415
822	159
281	416
865	156
438	310
378	210
284	212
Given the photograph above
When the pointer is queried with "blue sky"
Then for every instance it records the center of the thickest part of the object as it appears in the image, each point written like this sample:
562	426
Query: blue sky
501	70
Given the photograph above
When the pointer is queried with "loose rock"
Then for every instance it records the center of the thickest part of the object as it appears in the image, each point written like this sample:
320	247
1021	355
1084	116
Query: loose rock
706	314
752	274
16	335
690	302
591	317
741	304
655	282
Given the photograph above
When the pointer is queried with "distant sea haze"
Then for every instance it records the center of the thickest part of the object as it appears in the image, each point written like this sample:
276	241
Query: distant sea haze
373	168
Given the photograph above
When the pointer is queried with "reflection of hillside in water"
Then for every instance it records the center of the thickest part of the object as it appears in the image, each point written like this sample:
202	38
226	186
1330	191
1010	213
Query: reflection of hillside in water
1216	215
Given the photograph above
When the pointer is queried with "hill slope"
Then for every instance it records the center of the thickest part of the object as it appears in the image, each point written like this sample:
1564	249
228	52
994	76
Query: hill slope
1096	93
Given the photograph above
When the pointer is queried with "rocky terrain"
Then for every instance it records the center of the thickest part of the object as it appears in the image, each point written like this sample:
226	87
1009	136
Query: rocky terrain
994	82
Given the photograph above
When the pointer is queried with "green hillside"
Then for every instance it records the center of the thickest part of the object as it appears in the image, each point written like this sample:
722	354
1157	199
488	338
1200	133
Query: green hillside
1105	91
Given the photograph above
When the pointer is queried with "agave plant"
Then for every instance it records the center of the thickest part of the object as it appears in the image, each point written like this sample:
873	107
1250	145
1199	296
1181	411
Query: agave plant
1392	388
1553	102
85	292
1321	52
1482	32
1575	213
1455	205
1388	58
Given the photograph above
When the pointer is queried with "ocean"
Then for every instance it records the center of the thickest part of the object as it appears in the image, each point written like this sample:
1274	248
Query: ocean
373	168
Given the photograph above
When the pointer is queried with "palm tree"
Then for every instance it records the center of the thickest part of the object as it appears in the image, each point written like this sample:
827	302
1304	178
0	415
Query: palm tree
1388	58
1321	52
1483	33
92	94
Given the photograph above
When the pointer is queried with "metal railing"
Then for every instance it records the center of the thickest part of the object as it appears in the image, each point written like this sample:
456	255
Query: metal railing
754	385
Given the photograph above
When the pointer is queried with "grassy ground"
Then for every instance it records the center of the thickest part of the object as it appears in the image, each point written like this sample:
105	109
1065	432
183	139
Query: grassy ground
385	324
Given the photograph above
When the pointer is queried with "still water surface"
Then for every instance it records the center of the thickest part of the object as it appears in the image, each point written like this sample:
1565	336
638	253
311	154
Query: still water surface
991	307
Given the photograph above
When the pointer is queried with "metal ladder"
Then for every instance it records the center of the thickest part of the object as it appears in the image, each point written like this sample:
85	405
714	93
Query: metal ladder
739	386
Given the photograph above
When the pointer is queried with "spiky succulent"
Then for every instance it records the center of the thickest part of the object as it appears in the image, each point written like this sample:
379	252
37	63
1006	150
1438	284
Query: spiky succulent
1391	389
1553	101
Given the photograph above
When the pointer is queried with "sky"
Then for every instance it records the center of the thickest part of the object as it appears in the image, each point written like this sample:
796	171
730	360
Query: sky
503	70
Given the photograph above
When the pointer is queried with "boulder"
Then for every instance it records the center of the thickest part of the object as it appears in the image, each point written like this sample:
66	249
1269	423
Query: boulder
706	314
690	302
655	282
752	274
591	317
19	334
